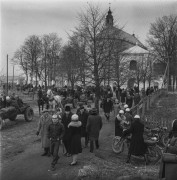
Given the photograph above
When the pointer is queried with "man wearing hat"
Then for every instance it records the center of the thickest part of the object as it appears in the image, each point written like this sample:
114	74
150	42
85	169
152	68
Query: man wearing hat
66	119
94	125
83	116
107	107
55	134
43	124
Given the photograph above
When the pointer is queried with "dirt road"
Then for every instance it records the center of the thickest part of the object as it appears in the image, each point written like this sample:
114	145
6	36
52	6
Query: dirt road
22	160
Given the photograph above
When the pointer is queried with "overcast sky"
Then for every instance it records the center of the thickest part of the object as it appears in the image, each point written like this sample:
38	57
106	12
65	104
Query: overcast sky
20	19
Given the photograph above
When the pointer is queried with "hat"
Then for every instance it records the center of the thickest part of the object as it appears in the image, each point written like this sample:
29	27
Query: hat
94	111
7	98
116	100
80	104
55	116
121	112
82	107
67	108
137	116
127	109
74	117
125	106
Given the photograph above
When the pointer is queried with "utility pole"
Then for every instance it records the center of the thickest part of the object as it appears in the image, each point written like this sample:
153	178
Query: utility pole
7	76
13	79
168	75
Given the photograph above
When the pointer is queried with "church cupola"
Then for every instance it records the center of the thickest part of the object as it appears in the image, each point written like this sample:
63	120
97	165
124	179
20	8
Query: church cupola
109	18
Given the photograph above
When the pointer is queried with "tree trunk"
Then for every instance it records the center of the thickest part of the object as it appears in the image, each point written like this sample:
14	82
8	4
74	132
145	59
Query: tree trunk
173	83
36	79
144	83
169	83
26	77
45	73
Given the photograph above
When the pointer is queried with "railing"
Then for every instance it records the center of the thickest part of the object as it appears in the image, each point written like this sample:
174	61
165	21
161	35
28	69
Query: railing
147	102
144	106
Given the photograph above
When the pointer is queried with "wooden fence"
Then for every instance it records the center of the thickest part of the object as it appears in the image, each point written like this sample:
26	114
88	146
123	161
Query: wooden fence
144	106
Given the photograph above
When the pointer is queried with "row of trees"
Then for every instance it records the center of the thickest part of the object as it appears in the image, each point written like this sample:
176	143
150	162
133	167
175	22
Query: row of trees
93	53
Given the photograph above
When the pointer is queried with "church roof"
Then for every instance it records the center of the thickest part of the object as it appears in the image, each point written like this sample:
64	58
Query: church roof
123	36
135	50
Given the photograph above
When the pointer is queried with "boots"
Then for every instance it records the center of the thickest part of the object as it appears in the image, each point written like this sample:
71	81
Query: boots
74	160
46	152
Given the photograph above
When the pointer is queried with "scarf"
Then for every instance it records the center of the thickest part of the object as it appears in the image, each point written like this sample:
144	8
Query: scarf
74	124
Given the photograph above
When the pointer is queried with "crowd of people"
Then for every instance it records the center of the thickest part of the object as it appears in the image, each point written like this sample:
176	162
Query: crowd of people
68	128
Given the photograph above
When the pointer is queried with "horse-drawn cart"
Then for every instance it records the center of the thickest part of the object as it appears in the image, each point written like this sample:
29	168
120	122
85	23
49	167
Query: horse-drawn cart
11	113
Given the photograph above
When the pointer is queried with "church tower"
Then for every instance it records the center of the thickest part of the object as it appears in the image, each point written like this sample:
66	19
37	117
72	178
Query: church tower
109	19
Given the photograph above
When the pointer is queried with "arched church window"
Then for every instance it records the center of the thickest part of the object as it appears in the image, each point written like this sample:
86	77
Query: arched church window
133	65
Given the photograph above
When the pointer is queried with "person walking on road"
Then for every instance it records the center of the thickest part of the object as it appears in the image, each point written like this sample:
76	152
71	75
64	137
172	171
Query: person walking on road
94	125
55	134
83	116
66	119
44	121
75	130
107	107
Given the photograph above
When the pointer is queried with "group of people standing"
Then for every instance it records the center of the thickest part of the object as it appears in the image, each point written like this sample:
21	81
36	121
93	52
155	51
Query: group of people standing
69	128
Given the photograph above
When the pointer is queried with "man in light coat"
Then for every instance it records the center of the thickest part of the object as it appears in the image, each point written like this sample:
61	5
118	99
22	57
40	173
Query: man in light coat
94	125
44	121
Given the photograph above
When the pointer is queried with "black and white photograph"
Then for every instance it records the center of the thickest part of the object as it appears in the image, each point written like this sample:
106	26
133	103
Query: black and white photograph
88	90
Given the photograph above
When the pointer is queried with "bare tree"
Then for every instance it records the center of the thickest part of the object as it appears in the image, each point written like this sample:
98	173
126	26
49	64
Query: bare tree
162	38
97	46
69	64
20	60
32	50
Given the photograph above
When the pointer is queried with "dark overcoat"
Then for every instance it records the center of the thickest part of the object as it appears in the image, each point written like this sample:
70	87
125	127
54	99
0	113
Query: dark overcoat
94	125
83	118
75	139
137	145
107	106
65	121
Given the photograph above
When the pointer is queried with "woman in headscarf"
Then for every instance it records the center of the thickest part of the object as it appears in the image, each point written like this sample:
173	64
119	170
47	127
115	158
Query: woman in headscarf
75	132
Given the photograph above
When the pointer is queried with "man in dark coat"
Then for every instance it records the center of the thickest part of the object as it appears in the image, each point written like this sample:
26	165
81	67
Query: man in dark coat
66	119
137	144
107	107
137	98
83	116
94	125
55	134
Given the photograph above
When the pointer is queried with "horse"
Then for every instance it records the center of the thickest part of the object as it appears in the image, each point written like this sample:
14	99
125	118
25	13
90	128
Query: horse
41	102
54	100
